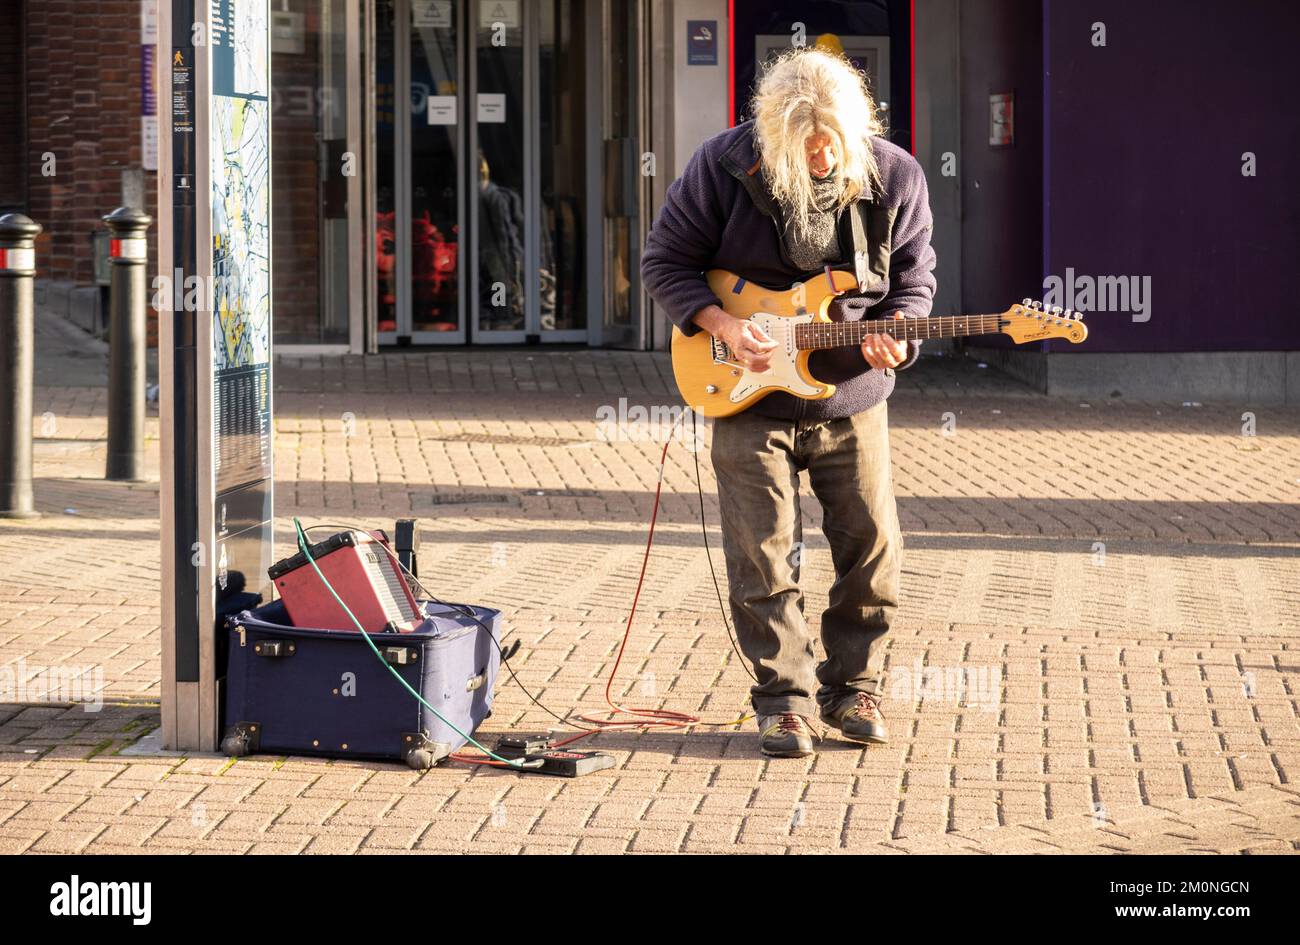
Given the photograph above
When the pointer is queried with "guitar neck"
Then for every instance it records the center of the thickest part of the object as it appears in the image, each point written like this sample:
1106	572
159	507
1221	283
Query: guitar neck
813	335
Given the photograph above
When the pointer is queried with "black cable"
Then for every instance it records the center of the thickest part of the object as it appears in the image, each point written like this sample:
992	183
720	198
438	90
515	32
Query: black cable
704	530
708	554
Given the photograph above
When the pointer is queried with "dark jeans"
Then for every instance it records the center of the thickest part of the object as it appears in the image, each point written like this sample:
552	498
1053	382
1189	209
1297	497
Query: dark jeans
757	461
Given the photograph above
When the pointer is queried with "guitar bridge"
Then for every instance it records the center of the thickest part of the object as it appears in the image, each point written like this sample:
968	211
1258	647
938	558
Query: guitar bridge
722	353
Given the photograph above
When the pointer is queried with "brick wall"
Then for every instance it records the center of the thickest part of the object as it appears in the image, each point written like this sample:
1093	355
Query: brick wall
83	95
13	192
83	123
83	99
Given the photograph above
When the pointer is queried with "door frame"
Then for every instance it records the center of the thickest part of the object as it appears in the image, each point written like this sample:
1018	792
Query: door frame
402	125
468	13
637	335
527	38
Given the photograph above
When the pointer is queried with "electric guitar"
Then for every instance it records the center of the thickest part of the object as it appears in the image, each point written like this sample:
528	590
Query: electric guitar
715	384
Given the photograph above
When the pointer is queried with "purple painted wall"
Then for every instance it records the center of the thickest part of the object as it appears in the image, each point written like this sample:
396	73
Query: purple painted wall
1143	167
1002	187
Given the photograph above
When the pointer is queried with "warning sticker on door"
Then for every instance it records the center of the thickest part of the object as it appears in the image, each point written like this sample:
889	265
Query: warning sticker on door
492	12
442	110
431	14
492	107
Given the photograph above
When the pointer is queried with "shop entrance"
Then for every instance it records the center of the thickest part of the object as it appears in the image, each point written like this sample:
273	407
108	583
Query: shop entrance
489	219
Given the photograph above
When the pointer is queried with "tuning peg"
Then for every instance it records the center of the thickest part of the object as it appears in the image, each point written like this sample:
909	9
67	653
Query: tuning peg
1057	310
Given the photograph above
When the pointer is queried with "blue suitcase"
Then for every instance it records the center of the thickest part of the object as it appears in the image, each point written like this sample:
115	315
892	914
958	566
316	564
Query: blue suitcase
296	690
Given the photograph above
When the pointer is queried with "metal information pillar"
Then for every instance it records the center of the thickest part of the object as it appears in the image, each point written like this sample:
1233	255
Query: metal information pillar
213	294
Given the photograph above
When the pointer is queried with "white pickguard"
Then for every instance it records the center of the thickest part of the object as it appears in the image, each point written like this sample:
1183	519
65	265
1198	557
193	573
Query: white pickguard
781	373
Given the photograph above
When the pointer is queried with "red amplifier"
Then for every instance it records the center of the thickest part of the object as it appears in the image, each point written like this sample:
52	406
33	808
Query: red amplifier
362	573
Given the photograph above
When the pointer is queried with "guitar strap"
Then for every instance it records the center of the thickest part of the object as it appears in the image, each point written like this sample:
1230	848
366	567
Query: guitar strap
872	228
861	271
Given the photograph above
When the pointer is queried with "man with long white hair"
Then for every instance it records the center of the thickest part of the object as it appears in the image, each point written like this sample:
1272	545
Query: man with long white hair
773	200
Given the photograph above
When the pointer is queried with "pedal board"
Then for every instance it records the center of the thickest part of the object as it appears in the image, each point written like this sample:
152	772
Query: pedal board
558	762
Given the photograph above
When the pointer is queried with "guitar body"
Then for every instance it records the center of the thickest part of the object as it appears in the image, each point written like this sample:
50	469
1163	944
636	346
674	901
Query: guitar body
714	385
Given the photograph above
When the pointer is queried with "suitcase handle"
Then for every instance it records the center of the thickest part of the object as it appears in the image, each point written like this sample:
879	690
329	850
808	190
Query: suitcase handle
476	681
400	655
274	649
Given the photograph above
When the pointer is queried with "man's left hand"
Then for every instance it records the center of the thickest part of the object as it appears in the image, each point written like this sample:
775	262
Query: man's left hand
884	351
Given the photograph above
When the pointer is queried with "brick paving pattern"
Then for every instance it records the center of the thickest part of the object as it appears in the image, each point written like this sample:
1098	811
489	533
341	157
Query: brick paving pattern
1097	650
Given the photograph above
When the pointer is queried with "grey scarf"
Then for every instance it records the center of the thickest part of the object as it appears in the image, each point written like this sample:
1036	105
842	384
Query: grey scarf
818	244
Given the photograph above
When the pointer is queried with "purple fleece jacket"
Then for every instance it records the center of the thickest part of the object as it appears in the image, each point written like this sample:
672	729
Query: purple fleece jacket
718	215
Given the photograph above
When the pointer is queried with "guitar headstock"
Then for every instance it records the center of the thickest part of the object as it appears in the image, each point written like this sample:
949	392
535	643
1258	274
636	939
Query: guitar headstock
1033	321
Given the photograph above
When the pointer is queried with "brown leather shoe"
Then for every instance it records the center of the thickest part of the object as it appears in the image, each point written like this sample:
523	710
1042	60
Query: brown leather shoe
785	735
859	719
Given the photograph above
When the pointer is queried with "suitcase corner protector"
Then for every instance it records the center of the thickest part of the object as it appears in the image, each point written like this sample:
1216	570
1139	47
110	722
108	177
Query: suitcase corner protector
421	752
242	738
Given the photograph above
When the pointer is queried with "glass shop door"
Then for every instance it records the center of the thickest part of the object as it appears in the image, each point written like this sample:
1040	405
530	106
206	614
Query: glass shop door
480	183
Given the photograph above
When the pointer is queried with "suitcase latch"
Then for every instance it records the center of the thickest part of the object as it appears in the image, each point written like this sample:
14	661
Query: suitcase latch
400	655
274	649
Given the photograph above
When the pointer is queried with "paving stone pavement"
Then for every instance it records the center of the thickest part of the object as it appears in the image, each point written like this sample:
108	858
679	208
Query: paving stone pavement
1097	649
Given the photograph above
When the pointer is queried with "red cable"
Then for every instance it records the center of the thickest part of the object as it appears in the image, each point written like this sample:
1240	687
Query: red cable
646	718
651	718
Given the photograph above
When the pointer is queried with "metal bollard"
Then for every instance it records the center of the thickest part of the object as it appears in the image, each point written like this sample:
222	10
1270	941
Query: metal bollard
128	255
17	268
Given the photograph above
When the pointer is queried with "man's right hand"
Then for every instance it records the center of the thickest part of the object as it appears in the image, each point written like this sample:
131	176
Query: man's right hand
749	344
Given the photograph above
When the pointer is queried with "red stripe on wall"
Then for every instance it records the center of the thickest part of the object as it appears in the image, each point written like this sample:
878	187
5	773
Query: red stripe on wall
911	60
731	63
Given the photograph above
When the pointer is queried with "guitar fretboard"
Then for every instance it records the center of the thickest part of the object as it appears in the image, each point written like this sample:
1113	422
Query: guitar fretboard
836	334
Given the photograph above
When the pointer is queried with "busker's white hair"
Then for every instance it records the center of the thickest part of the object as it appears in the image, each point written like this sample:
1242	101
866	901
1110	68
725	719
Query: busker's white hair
810	91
